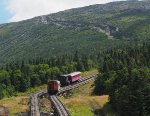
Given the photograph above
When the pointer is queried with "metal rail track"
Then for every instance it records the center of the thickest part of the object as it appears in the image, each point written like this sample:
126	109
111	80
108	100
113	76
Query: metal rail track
58	105
35	102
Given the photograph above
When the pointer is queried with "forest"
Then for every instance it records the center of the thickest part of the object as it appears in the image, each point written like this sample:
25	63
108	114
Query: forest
21	76
125	77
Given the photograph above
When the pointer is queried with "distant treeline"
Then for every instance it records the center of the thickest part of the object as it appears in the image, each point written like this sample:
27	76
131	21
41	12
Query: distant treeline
125	77
19	77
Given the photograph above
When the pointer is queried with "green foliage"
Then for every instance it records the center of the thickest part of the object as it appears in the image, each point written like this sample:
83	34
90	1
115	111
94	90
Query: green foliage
6	89
126	78
48	41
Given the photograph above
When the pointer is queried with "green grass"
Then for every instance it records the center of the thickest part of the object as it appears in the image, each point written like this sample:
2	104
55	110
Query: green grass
81	102
85	73
80	110
32	90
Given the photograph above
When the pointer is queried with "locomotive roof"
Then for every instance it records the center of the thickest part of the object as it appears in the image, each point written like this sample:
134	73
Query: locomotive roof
54	80
72	74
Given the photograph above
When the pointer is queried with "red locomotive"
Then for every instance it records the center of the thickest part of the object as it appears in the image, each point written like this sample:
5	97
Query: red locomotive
54	85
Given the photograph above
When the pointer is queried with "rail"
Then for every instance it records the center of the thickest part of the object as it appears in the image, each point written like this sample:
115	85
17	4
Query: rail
58	105
35	102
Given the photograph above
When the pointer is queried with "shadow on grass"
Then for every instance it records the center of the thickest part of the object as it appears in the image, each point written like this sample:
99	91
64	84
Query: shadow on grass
106	110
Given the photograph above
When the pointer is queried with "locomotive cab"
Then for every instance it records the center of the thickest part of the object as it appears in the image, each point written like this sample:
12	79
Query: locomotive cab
64	80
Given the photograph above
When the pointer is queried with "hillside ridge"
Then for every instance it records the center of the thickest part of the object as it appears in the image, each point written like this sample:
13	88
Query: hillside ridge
74	30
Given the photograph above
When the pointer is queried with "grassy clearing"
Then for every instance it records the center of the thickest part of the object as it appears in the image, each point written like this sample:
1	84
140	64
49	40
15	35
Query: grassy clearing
81	102
32	90
19	103
85	73
16	104
85	105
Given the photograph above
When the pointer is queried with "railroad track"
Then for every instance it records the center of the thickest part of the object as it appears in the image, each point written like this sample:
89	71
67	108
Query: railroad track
58	106
35	102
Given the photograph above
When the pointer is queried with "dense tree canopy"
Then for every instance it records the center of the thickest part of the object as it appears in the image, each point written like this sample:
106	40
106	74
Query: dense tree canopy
125	76
19	77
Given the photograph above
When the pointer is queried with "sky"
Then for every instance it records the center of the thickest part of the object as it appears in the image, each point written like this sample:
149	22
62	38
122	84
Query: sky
17	10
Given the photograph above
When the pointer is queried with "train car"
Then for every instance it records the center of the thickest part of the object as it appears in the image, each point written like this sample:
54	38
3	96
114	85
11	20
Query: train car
70	78
74	77
53	87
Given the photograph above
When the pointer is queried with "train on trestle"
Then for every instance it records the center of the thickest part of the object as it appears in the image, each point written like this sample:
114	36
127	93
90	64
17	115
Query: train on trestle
53	86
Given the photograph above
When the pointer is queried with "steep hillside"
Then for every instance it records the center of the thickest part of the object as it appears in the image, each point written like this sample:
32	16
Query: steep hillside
127	16
30	39
82	29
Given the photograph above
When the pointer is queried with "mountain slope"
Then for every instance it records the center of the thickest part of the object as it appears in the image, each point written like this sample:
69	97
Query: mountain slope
74	30
45	41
